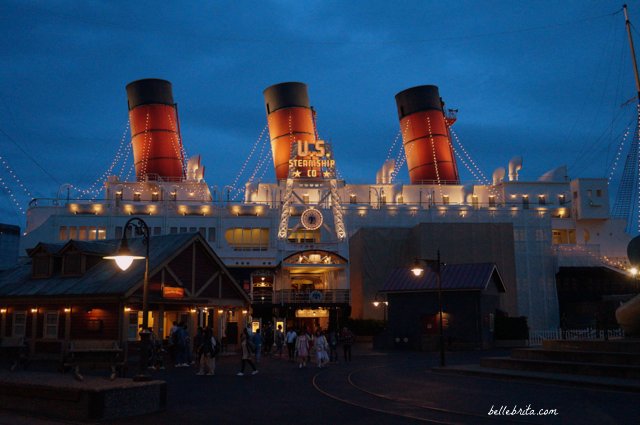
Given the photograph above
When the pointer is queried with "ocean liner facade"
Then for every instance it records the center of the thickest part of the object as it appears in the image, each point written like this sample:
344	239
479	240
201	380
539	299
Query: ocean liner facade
311	247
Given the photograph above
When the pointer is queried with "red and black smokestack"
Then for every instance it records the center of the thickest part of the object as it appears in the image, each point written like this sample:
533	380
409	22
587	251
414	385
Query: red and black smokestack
155	138
425	136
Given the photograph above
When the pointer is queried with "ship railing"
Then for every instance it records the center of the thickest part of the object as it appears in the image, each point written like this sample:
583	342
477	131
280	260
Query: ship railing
326	296
537	336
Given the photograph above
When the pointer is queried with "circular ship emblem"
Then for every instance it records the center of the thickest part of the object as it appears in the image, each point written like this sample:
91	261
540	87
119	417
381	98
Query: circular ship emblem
311	219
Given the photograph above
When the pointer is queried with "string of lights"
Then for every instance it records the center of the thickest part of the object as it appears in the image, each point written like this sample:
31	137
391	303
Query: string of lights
621	145
15	177
95	187
233	185
401	158
177	145
12	196
433	151
478	174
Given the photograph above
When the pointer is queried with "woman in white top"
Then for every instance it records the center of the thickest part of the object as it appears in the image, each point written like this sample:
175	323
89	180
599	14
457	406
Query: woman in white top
321	346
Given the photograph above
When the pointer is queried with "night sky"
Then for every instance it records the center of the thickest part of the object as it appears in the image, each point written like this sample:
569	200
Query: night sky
551	81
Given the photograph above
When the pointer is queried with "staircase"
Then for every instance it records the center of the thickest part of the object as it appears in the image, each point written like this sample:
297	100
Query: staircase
616	359
613	364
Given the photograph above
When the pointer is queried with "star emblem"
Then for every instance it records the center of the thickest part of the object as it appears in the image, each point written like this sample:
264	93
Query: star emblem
326	174
296	173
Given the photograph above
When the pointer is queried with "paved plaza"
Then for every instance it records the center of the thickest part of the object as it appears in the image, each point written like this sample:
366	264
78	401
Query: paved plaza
375	388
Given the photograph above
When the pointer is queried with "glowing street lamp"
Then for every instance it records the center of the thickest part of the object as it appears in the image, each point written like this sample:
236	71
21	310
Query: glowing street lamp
418	270
124	258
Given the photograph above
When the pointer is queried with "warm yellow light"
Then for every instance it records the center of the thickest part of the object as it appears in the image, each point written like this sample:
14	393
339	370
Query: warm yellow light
193	310
127	309
633	271
376	303
124	261
220	311
3	310
67	310
34	310
245	311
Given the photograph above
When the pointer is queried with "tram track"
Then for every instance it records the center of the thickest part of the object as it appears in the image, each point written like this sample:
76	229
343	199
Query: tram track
341	386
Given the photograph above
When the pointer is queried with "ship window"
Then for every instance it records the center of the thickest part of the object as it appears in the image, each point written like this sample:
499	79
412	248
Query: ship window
173	230
305	199
157	231
525	202
137	196
102	232
542	200
561	199
92	233
192	229
492	200
63	235
50	324
202	231
19	323
155	196
211	237
82	233
352	199
183	230
248	239
73	232
304	236
445	199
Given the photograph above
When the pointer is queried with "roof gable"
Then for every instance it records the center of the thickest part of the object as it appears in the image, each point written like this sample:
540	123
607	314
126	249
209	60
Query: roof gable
454	277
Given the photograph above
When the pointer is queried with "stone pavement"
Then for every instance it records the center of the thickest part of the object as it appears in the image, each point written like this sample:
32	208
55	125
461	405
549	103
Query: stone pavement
375	388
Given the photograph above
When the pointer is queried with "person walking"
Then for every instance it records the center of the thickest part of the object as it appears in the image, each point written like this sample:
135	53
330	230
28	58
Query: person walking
279	339
209	348
333	346
347	338
257	343
291	343
302	348
245	344
321	346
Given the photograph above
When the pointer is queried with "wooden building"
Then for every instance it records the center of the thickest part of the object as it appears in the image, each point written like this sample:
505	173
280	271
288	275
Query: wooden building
67	291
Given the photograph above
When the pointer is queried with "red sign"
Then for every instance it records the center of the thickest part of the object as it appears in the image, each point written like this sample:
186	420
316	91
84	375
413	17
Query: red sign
172	292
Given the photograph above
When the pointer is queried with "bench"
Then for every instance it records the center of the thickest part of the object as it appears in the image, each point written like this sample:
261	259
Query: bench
94	353
16	350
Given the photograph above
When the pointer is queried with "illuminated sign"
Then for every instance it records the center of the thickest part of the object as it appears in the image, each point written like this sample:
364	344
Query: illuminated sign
172	292
312	162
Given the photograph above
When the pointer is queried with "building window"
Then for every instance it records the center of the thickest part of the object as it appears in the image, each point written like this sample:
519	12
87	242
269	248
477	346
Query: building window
137	196
248	239
82	233
353	199
19	323
525	202
202	231
155	197
192	229
73	232
51	321
157	231
305	199
542	200
173	230
102	232
132	326
211	236
445	199
183	230
63	235
41	265
72	264
561	199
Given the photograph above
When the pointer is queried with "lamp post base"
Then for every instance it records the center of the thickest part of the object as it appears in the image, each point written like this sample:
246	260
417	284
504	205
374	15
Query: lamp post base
143	374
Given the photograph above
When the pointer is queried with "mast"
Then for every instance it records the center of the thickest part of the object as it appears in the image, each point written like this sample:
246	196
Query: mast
633	51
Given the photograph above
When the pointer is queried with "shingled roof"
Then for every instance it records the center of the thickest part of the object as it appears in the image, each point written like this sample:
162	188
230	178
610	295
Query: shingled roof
455	277
105	278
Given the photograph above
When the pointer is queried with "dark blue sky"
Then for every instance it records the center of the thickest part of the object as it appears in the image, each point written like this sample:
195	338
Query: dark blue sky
541	79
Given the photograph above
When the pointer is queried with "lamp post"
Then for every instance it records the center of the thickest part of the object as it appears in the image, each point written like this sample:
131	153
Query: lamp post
124	258
418	271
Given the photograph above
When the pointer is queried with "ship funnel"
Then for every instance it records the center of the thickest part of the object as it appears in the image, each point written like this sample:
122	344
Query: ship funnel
425	136
515	165
291	126
155	131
